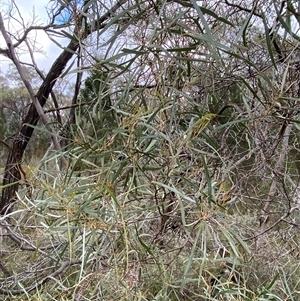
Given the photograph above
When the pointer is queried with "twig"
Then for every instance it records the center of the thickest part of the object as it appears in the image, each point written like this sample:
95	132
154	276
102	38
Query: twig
62	267
43	77
253	11
24	244
282	219
69	107
244	158
6	52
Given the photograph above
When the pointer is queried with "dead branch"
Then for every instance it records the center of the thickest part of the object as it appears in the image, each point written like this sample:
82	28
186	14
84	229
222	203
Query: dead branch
6	51
24	244
63	266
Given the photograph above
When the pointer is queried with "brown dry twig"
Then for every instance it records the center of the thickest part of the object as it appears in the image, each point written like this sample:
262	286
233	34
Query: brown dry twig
63	266
24	244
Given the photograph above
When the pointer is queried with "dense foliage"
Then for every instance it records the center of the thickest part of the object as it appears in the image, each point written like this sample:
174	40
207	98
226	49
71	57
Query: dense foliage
177	175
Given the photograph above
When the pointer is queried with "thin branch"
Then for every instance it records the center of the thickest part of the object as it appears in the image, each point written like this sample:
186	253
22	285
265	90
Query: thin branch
278	168
63	266
42	76
241	8
245	158
24	244
6	52
68	107
282	219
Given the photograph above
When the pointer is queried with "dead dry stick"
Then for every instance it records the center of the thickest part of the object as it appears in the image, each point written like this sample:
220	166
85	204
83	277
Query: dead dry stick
63	266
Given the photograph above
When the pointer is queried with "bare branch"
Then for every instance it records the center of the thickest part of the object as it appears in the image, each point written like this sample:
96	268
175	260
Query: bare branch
241	8
40	73
282	219
24	244
63	266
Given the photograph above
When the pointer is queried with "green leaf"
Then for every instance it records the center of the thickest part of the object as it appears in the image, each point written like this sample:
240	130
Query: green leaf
133	51
212	44
285	25
182	49
71	37
176	191
269	42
